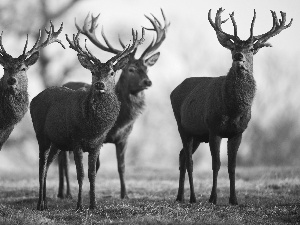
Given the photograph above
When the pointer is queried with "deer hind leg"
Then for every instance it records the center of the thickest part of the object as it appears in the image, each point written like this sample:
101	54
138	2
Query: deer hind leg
51	156
120	150
66	170
61	161
63	168
214	144
233	146
188	149
78	154
44	149
182	168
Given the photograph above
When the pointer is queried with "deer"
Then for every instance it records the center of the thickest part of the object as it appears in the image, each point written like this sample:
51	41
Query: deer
14	99
78	120
130	89
208	109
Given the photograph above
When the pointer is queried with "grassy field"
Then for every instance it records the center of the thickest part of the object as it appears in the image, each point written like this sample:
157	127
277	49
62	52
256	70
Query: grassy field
266	196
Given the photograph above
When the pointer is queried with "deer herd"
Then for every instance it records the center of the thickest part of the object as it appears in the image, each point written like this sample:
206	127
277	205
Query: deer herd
81	117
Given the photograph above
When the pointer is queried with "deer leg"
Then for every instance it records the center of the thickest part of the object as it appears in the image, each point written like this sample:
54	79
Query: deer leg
188	148
182	169
121	148
53	152
92	158
214	144
43	155
61	162
78	154
66	170
233	146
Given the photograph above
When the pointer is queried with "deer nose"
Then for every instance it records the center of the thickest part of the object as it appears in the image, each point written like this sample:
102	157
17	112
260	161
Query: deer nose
100	86
238	57
11	81
147	82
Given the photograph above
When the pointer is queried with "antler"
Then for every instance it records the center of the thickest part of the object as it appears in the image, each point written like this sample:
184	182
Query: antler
224	38
160	32
89	28
2	50
52	37
277	27
76	46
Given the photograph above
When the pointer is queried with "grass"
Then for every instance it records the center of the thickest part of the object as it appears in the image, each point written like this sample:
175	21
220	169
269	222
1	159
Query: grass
265	195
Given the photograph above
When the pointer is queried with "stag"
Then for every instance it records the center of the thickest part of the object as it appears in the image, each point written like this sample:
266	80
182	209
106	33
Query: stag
130	91
78	120
208	109
14	83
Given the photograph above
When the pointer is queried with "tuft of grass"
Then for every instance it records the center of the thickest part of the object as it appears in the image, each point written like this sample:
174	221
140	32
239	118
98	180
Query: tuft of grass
265	195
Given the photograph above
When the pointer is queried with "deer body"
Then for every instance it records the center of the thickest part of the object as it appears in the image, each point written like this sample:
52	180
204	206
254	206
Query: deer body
208	109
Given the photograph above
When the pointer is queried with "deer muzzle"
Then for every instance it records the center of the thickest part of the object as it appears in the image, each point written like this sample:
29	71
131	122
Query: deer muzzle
238	57
146	83
100	86
11	81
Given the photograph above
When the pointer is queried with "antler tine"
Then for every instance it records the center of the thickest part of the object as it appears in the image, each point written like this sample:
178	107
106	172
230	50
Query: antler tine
218	23
89	28
160	33
234	24
76	46
52	37
252	25
121	42
2	50
278	26
130	48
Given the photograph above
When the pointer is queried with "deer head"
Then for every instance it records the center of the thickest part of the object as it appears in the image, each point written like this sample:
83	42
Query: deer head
14	77
134	74
103	74
243	51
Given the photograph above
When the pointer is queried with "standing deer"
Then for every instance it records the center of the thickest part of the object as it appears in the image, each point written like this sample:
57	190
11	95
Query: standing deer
78	120
130	89
13	85
208	109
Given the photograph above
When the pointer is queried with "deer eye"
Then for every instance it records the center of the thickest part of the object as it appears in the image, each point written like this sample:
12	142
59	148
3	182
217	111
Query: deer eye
112	73
23	69
131	69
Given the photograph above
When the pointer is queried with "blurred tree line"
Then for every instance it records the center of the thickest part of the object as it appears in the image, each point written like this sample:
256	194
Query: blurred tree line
272	137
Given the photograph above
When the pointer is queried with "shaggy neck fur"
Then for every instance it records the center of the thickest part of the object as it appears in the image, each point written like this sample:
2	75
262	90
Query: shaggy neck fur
101	111
13	104
239	88
132	105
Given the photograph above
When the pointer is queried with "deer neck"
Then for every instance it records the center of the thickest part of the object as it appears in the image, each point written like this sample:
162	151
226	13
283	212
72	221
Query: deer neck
13	103
132	104
100	111
239	88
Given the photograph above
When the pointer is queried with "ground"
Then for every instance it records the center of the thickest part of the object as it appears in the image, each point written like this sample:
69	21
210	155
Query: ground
266	196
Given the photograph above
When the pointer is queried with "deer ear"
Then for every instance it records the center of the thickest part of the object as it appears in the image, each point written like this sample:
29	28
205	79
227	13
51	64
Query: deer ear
85	62
121	63
32	59
152	59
